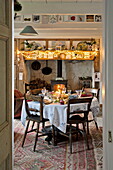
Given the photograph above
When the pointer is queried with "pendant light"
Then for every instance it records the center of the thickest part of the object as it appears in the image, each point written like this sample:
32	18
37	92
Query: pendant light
28	30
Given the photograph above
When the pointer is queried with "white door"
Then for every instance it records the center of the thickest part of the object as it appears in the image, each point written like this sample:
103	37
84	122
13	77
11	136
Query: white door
5	84
108	86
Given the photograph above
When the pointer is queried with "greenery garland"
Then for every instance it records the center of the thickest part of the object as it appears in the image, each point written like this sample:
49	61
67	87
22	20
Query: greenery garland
17	6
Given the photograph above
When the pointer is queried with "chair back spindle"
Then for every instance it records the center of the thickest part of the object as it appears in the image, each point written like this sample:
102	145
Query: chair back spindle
93	91
39	99
76	101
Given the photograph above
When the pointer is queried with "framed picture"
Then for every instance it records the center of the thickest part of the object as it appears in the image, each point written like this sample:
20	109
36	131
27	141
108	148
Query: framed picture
98	18
81	18
59	45
17	18
27	18
60	18
75	44
73	18
36	18
89	18
52	19
66	18
34	45
45	19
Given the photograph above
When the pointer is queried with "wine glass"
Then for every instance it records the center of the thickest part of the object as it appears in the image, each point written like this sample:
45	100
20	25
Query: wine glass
69	92
43	91
64	90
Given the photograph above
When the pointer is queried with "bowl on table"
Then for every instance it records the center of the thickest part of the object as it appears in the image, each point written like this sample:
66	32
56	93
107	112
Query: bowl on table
73	96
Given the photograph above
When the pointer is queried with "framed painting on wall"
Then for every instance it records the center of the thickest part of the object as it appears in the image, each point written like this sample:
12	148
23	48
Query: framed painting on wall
73	18
81	18
60	18
17	18
34	45
36	18
45	19
53	19
89	18
59	45
66	18
75	44
98	18
27	18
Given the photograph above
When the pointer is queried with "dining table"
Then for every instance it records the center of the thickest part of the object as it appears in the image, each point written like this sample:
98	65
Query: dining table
57	113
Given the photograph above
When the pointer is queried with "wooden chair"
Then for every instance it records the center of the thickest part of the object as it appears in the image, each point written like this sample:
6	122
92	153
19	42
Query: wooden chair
35	118
75	118
30	87
95	93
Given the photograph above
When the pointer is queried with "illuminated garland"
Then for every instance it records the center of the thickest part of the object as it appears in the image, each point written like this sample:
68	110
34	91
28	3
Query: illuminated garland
58	55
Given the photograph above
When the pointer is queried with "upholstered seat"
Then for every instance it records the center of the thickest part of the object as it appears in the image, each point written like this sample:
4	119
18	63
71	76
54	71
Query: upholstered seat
18	99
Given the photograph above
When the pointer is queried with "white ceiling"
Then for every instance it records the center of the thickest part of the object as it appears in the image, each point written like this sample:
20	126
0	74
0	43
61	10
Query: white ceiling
64	30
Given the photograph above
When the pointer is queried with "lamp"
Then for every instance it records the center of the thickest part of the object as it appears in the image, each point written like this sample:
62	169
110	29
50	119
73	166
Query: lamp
28	30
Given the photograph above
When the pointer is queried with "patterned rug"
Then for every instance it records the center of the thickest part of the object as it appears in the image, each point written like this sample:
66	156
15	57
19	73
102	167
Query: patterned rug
48	157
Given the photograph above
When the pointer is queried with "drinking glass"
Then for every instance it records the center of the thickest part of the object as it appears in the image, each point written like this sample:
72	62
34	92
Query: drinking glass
78	92
69	92
43	91
64	90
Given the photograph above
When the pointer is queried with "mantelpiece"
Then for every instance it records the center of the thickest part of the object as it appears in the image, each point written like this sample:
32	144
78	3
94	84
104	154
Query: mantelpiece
62	54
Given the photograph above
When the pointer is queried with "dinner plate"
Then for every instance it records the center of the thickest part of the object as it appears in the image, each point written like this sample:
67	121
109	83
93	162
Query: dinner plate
47	101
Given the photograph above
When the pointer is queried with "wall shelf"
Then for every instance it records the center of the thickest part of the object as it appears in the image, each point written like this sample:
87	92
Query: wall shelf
85	83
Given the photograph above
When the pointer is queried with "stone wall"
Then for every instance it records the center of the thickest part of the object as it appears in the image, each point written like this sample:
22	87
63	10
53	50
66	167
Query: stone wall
70	71
77	69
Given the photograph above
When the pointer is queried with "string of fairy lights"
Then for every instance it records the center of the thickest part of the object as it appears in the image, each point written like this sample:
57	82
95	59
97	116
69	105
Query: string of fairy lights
58	55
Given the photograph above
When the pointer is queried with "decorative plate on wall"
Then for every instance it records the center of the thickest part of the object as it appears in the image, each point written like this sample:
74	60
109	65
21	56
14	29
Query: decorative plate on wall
82	46
47	70
35	65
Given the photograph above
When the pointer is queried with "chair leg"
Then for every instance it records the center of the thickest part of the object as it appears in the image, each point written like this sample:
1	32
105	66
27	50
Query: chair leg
77	128
54	132
70	139
87	126
25	133
43	124
33	124
96	125
85	135
36	138
95	122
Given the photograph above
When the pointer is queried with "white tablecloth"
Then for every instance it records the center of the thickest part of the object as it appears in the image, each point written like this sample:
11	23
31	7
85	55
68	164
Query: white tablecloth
56	113
95	107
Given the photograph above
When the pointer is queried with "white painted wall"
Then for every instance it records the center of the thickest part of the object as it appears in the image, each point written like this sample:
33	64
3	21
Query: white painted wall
61	8
65	30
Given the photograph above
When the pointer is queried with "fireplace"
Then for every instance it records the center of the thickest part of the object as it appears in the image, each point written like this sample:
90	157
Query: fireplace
59	81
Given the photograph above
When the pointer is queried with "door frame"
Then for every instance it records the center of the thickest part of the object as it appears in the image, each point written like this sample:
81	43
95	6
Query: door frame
105	84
